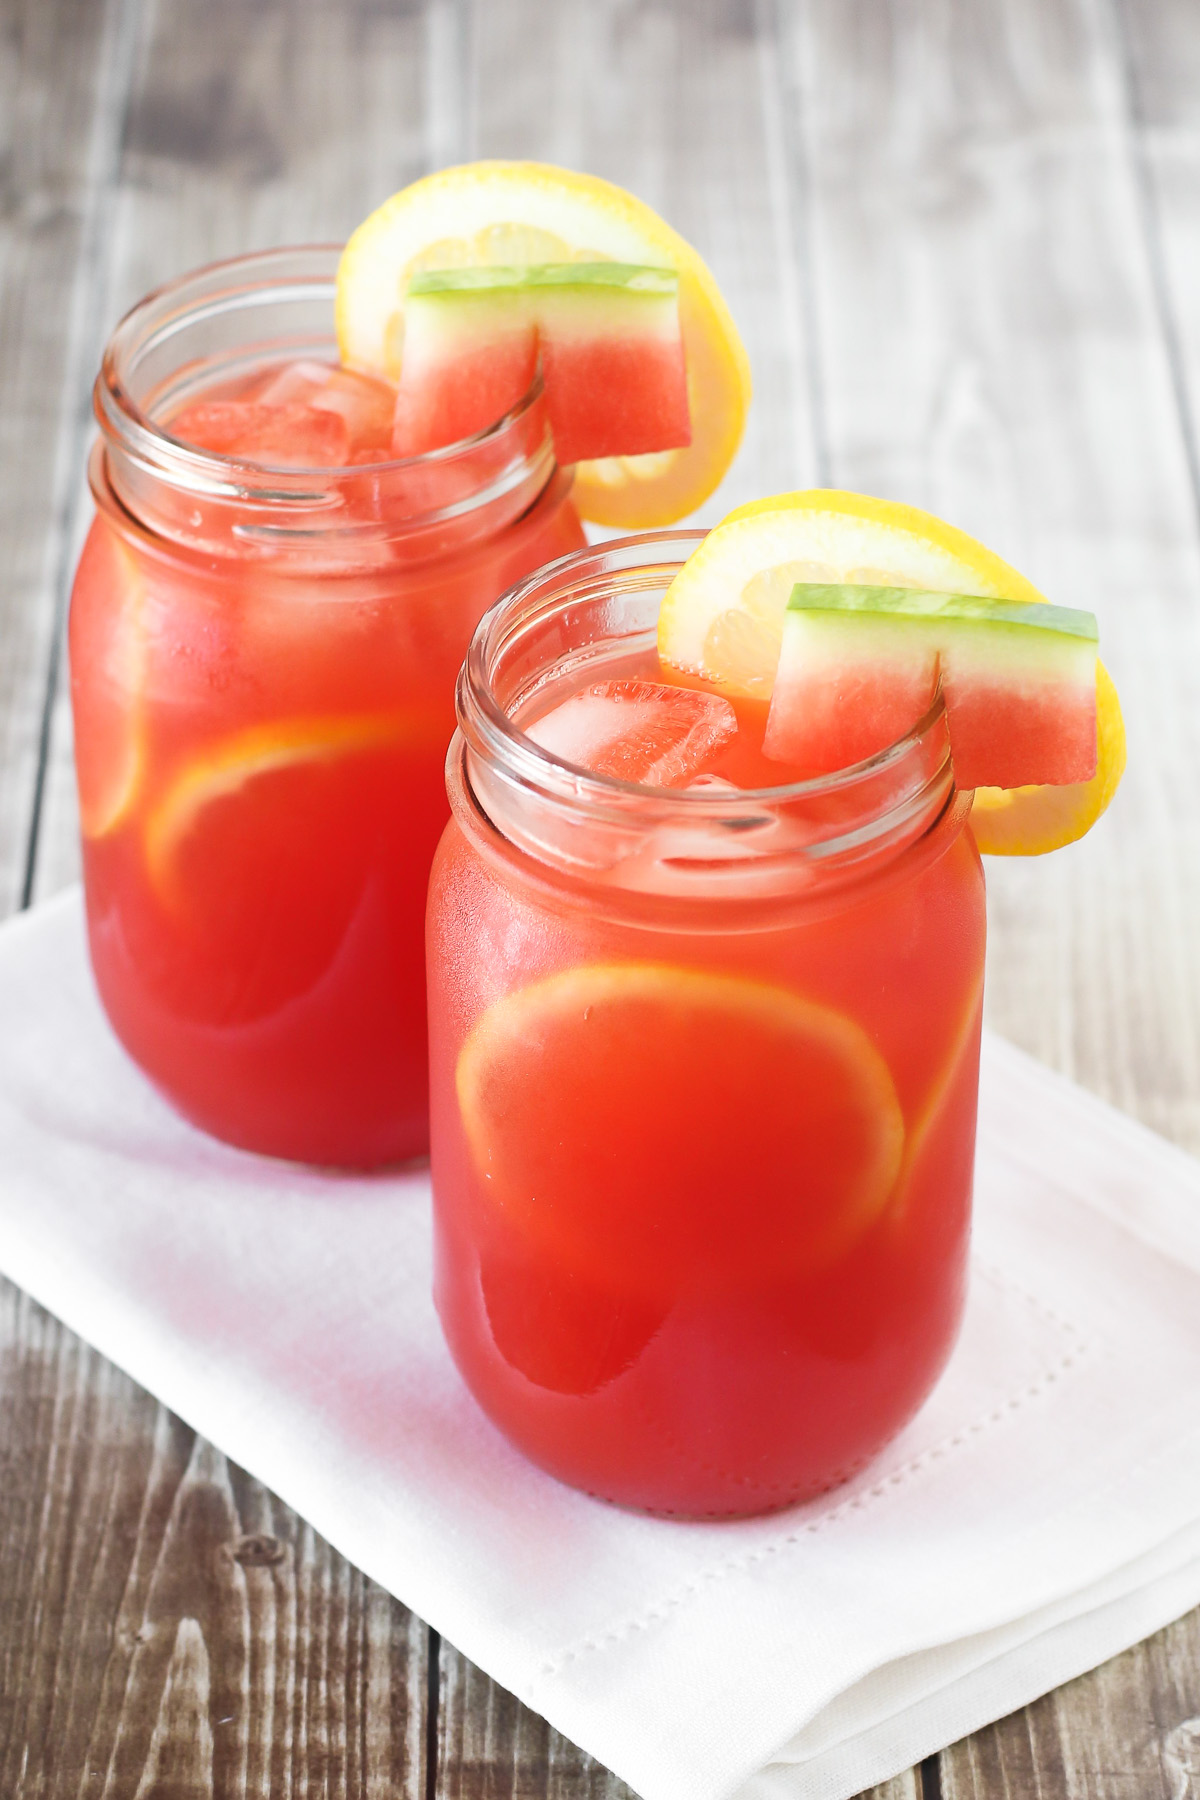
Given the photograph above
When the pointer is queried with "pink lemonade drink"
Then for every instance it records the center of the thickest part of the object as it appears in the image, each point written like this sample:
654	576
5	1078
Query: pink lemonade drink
704	1063
265	629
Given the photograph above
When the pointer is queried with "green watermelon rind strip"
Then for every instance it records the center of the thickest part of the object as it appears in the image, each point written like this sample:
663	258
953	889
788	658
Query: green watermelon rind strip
924	606
632	278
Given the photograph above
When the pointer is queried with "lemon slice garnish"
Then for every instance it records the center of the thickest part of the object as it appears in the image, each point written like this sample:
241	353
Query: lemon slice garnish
722	618
524	212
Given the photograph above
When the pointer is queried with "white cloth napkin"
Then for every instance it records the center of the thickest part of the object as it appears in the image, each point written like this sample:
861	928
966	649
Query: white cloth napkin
1041	1513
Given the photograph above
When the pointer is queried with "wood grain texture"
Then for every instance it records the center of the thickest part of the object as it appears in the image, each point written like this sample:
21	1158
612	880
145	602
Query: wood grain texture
169	1629
1127	1731
491	1747
63	89
198	1639
1160	50
676	100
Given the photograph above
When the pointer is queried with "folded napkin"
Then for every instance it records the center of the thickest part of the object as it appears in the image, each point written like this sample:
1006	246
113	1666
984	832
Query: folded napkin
1042	1512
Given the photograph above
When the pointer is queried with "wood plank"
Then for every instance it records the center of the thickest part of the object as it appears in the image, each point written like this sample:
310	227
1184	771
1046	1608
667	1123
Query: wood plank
677	102
63	79
170	1629
1161	51
489	1744
1150	1697
173	1630
1127	1731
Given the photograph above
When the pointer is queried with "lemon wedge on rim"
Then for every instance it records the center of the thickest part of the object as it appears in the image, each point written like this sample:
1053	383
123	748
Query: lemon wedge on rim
723	616
519	213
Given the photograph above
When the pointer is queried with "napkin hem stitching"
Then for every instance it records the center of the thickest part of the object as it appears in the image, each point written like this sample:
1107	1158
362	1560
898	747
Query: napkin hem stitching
857	1502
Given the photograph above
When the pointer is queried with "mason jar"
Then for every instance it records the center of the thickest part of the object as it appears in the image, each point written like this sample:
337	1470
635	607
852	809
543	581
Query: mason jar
704	1071
262	677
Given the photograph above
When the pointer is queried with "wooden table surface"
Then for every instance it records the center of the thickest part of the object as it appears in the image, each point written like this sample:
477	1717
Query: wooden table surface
962	241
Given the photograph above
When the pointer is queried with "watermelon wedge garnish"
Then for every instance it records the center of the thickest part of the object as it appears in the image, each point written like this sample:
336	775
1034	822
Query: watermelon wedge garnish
859	666
607	335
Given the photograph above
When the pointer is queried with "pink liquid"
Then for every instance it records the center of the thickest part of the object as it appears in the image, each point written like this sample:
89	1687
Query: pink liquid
260	741
660	1267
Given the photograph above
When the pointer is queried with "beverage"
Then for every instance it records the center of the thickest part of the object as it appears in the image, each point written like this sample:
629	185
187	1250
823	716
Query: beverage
266	624
704	1062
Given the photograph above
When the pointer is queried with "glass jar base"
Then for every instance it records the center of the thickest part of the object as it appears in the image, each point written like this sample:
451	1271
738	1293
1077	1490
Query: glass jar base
726	1413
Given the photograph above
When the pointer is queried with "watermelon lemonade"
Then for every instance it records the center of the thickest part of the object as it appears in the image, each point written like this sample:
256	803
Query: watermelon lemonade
265	629
316	472
704	1061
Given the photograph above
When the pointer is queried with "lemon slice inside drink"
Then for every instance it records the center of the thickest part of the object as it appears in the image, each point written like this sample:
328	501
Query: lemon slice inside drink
236	763
662	1127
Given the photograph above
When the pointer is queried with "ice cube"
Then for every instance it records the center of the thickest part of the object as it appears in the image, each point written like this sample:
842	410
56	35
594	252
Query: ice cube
638	731
365	402
296	383
293	436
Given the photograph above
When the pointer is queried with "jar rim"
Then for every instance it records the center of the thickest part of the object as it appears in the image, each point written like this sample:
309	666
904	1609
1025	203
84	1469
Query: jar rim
874	807
485	723
115	407
183	333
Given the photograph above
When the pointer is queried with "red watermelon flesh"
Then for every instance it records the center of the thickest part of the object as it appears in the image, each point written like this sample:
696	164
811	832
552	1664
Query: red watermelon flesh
859	666
609	342
612	360
470	354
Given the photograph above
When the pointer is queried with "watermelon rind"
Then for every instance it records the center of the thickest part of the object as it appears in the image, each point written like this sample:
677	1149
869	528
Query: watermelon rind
925	604
609	337
642	278
859	665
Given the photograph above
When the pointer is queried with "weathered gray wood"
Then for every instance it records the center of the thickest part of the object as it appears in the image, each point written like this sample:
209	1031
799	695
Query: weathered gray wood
168	1628
1160	50
166	1666
1128	1731
489	1744
677	101
64	71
